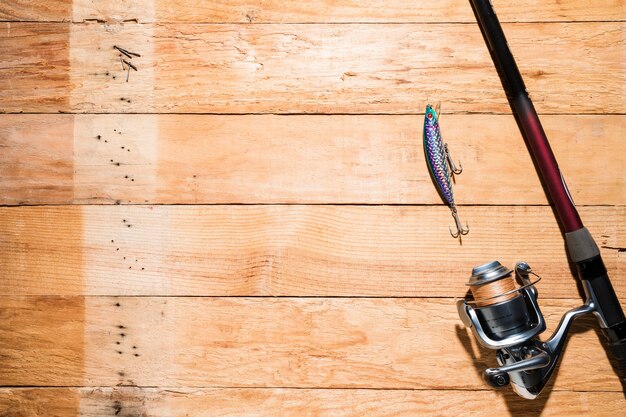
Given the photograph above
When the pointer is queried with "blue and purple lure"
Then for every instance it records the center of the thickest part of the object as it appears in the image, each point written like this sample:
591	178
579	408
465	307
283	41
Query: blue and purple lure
441	166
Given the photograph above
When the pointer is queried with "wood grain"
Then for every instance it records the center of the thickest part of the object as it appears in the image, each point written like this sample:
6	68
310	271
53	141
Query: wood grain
377	159
570	68
133	310
34	70
360	68
291	11
285	250
37	159
380	11
164	402
33	245
53	349
260	342
36	10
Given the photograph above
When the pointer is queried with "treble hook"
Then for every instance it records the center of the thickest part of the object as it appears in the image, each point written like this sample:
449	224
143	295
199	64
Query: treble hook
459	227
453	168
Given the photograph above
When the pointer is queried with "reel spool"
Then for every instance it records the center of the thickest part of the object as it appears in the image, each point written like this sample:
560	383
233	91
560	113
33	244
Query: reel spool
504	315
501	306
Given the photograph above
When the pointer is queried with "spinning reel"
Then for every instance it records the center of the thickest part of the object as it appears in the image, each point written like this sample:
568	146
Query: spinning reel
506	317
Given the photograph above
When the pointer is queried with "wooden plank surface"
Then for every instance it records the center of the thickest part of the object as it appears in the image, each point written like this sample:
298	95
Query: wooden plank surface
570	68
381	11
34	69
300	68
178	402
260	342
285	250
376	159
132	309
36	10
301	11
37	159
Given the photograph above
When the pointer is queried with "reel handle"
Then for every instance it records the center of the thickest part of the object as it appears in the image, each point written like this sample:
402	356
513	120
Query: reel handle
496	378
539	359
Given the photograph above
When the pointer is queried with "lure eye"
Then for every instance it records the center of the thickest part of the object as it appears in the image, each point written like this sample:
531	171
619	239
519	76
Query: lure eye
430	116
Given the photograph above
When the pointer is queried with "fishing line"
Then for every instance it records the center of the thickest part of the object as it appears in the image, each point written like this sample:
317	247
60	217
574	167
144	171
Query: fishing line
495	292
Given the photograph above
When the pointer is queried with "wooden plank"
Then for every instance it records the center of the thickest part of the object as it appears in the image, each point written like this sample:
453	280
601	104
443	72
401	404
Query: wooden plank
300	11
570	68
285	250
359	68
64	249
37	159
173	159
41	402
260	342
60	339
34	70
246	402
36	10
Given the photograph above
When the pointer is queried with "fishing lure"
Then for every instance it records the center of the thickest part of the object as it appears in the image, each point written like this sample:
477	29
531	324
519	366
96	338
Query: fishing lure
441	166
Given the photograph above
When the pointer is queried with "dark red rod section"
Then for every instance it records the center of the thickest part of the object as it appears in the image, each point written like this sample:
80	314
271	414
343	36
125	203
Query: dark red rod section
527	117
546	163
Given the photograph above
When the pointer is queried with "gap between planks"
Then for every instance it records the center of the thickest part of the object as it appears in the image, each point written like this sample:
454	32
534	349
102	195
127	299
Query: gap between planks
182	389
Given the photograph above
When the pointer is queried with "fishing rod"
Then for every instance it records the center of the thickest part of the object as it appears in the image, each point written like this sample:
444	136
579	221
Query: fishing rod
504	314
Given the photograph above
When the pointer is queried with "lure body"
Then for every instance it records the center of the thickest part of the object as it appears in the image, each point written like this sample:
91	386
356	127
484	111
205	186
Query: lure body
440	165
436	156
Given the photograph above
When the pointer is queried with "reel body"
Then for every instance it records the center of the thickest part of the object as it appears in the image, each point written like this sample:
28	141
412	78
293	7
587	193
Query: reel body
510	322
